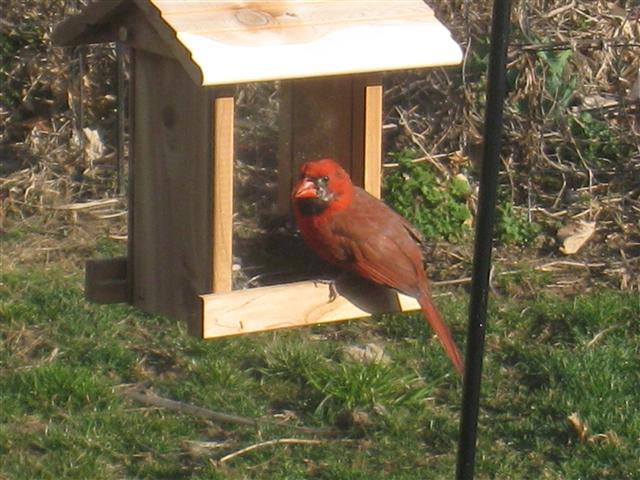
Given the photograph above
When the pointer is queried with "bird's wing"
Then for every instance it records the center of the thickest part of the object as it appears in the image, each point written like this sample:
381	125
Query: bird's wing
382	245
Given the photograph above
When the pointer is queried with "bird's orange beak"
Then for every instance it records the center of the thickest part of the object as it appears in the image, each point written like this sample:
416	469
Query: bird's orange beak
305	189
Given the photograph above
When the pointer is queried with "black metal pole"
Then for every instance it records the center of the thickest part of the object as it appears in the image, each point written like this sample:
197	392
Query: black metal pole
485	219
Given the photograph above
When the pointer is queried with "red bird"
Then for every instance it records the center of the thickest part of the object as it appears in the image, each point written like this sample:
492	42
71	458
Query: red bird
356	232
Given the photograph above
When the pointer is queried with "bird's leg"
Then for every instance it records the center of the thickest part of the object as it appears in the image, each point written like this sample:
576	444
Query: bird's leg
333	293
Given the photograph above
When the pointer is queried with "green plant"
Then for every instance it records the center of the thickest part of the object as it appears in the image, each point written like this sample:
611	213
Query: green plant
107	247
595	142
13	45
437	207
559	89
514	228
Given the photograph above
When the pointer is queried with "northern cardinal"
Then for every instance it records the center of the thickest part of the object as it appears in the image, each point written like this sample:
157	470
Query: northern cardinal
355	231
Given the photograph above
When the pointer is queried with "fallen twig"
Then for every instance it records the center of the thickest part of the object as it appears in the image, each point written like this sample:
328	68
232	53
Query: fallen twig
197	448
557	11
546	267
422	159
268	443
583	43
147	396
456	281
566	263
599	335
92	204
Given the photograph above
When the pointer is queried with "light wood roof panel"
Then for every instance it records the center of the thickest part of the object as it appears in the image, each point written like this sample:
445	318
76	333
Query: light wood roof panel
237	41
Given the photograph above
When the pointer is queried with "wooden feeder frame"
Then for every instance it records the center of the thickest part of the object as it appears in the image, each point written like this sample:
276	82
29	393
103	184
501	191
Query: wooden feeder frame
189	276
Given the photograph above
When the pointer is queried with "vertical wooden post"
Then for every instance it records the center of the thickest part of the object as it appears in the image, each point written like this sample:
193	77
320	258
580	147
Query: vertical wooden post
80	52
121	119
222	209
373	140
285	146
133	147
366	165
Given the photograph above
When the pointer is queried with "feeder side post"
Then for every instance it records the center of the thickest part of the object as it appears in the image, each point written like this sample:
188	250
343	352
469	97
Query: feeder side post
367	132
130	190
286	166
373	140
222	185
121	116
171	241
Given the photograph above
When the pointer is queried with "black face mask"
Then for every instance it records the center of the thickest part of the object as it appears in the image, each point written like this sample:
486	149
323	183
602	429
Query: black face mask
315	206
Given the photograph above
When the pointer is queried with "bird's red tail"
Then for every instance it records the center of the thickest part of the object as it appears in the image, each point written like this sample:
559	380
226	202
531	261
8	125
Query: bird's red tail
435	320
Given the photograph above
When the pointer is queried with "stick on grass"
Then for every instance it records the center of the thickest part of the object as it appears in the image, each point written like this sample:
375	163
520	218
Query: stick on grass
268	443
147	396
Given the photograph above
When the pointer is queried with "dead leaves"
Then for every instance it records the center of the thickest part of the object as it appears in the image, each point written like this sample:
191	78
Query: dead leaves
582	430
370	353
574	235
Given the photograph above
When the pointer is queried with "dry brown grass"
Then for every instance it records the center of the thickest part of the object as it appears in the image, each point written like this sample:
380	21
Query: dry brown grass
565	60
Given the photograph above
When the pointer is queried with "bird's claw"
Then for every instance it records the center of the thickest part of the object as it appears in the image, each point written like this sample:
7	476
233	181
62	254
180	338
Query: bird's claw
333	293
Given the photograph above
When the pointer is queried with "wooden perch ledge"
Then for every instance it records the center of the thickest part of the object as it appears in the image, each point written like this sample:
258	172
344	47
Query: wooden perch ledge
295	305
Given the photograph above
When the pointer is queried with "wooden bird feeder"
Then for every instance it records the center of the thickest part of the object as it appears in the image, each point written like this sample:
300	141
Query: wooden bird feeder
186	60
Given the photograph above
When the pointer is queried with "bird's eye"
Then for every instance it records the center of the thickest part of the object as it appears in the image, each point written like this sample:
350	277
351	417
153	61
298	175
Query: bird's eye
325	179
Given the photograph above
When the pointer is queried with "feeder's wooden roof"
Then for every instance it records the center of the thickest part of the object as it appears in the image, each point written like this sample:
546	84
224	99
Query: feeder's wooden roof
224	42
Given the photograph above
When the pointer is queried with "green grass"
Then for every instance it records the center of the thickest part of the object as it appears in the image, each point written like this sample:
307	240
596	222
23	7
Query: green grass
63	415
